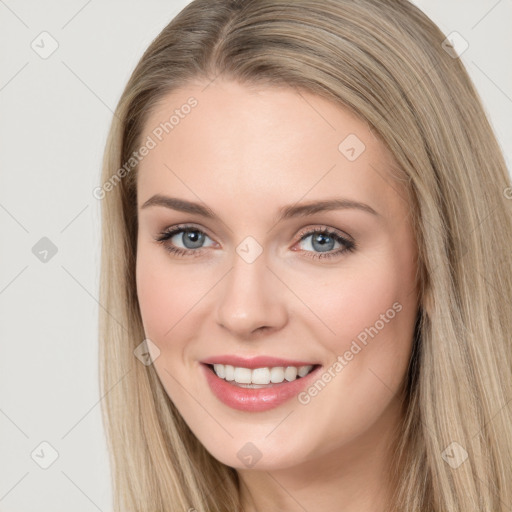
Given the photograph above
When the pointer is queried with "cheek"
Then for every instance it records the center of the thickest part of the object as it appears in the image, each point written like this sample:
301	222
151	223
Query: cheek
369	311
372	312
154	297
165	292
349	304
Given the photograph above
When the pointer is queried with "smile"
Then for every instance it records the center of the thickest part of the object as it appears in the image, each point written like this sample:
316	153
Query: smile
260	376
257	389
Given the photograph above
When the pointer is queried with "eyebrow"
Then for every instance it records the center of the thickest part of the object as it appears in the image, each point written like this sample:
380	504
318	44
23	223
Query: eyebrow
286	212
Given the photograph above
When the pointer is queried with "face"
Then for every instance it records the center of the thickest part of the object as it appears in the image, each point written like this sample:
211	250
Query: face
272	235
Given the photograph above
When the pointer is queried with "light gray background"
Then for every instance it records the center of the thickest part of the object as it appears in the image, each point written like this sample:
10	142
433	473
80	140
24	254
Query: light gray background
54	117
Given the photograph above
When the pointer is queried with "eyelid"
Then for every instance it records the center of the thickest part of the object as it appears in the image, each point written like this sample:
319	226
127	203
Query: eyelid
322	228
190	226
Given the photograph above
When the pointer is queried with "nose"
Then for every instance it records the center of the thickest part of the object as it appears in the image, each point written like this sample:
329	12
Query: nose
252	300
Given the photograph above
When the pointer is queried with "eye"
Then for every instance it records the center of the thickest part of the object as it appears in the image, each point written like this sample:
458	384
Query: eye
324	240
191	237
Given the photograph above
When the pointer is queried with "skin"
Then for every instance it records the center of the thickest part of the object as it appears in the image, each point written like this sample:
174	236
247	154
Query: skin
245	152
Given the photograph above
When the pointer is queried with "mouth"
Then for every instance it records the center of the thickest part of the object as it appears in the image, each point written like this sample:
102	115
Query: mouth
254	389
257	378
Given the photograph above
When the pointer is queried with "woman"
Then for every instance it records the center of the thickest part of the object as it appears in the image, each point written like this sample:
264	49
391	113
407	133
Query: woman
305	268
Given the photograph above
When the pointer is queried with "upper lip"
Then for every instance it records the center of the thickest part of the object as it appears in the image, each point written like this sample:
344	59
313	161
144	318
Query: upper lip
255	362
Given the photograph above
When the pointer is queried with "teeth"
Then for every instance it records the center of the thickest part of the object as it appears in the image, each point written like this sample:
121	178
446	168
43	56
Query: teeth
263	376
229	372
277	375
260	376
243	375
304	370
290	373
220	370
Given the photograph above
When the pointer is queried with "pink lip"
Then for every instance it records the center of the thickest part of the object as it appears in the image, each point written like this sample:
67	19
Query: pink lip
258	399
254	362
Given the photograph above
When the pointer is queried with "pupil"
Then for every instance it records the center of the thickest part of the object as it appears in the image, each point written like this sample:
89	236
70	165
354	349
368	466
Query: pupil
193	237
323	240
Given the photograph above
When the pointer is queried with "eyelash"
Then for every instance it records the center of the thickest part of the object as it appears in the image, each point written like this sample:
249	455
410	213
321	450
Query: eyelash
350	246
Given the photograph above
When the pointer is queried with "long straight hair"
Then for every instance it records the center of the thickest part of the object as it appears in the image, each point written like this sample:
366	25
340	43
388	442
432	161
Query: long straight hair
386	62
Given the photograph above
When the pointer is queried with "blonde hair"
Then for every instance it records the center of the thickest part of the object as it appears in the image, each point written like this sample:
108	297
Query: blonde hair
383	60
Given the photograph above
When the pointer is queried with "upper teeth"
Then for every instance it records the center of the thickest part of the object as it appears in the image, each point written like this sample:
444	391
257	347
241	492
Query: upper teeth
267	375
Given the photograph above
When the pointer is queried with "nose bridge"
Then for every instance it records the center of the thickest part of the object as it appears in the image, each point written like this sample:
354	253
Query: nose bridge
250	293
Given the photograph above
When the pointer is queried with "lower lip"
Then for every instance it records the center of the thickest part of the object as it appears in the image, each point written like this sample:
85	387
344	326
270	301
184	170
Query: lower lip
255	399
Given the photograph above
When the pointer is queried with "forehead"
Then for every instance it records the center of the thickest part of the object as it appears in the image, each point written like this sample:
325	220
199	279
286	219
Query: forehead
223	140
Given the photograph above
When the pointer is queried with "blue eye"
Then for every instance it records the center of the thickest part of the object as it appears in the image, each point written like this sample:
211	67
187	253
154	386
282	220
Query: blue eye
192	238
323	239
